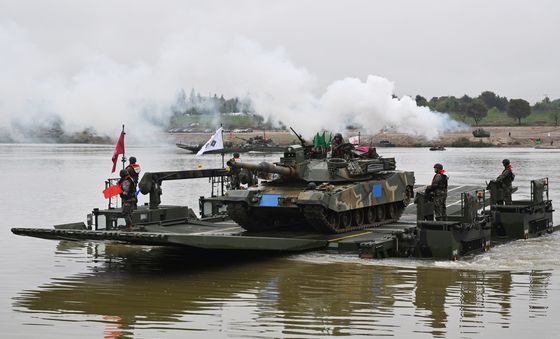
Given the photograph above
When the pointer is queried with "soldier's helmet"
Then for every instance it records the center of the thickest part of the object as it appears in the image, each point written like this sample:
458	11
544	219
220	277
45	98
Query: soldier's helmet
505	162
132	160
338	136
438	166
123	173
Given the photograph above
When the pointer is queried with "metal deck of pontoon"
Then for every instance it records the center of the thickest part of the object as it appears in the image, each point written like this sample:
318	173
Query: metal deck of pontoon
227	235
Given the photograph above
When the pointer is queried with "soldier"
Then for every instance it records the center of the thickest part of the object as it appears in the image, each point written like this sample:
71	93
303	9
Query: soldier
128	197
505	180
438	190
235	183
133	169
337	151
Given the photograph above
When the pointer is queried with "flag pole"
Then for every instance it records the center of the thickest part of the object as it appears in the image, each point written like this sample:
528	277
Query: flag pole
123	157
222	131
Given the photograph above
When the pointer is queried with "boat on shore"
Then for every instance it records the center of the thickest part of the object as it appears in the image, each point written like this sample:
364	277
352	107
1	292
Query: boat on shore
257	144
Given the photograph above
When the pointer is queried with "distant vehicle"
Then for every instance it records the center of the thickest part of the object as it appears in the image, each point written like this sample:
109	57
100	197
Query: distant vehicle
437	148
255	144
481	133
385	143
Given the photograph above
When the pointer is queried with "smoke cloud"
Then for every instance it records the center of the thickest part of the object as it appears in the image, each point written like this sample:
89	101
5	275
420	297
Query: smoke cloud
98	90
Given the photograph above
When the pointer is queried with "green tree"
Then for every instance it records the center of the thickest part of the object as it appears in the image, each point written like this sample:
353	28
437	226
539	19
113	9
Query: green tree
421	101
463	103
476	110
490	99
518	109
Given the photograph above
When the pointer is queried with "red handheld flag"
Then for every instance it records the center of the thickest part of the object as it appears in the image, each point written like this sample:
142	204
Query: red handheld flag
111	191
119	149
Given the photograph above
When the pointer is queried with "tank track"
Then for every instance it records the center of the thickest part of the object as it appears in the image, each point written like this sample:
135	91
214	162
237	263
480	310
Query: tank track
239	212
317	218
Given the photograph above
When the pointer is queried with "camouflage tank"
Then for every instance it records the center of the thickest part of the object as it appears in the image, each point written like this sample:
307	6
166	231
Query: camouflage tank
330	195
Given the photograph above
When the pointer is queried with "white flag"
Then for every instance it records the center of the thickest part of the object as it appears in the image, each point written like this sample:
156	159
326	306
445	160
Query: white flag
354	140
215	142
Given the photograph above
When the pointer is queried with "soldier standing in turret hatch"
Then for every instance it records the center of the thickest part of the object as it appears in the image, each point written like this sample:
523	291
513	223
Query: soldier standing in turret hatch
438	189
337	151
505	180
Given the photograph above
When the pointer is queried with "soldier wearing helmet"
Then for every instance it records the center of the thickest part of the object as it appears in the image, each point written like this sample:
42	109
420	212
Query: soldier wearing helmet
337	142
133	169
128	197
235	183
438	190
505	180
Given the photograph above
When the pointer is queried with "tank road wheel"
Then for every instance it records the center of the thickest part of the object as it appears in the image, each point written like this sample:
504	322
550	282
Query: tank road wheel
332	219
358	217
322	219
371	214
239	212
345	220
391	211
380	212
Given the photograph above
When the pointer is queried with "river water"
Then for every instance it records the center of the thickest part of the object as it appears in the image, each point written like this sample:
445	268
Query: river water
65	289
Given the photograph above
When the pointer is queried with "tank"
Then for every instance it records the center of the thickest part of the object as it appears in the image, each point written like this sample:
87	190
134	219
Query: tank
257	143
481	133
331	195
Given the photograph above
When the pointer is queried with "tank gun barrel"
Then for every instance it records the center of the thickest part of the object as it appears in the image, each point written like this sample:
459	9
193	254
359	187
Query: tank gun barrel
265	167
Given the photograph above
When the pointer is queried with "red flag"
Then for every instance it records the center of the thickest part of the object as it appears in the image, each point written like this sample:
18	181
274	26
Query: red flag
119	149
111	191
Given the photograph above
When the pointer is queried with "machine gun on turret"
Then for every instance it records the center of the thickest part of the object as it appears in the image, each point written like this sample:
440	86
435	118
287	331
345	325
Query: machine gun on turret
301	139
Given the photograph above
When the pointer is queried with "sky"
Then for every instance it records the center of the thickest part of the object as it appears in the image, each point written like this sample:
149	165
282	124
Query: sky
91	61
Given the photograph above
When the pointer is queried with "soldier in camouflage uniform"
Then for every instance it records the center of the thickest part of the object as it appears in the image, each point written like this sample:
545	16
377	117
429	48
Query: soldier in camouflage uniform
438	191
235	182
337	142
505	180
128	197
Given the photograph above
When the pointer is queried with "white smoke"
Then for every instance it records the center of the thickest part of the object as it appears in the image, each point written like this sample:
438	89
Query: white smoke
98	91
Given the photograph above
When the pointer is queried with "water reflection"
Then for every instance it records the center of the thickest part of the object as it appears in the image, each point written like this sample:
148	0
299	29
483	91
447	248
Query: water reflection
138	291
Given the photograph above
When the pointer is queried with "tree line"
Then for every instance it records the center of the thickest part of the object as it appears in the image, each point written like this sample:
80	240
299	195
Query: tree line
477	107
196	104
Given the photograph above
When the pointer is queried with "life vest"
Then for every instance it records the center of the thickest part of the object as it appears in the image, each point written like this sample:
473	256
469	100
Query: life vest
135	167
128	191
442	184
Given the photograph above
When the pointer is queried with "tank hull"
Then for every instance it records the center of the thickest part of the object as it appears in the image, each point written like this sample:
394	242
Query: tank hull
328	207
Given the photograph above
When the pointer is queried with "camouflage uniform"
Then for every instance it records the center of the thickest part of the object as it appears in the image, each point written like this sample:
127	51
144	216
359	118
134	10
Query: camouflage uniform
235	182
128	197
337	151
505	180
438	188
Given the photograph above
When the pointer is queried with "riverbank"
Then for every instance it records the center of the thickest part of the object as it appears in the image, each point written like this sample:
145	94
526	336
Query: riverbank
506	136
